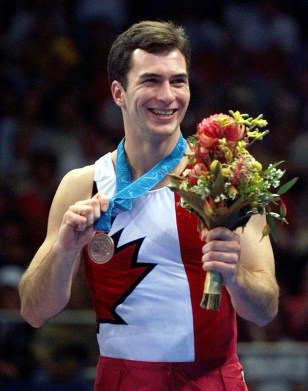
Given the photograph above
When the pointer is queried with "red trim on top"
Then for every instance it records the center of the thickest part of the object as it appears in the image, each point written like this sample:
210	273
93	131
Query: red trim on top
215	331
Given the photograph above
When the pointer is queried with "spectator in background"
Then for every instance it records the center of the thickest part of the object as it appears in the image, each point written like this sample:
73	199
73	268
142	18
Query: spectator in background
35	193
294	307
63	363
17	364
15	239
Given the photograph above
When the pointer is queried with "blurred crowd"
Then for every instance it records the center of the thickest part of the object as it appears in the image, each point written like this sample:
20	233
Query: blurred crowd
56	114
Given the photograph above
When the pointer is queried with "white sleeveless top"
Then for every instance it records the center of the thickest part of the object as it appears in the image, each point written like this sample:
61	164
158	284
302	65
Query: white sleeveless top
147	296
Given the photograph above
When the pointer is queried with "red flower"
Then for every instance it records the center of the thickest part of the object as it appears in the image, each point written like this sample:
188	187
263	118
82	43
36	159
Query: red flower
213	128
195	172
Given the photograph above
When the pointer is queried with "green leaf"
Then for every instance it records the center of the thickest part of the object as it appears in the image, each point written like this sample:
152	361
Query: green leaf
276	164
218	185
287	186
277	216
271	223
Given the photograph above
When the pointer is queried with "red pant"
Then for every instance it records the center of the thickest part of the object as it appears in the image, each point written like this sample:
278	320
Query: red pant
125	375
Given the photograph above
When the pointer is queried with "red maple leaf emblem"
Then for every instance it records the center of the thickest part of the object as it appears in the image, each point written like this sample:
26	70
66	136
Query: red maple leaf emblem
111	283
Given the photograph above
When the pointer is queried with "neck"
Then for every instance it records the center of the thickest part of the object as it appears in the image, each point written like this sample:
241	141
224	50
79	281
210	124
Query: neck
147	155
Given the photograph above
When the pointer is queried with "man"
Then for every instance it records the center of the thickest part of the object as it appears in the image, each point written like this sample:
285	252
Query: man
152	333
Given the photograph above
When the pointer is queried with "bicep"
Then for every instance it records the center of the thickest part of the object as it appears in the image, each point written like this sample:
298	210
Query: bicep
75	186
256	254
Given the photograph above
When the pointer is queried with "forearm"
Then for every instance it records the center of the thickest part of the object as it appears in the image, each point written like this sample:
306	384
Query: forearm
254	296
45	289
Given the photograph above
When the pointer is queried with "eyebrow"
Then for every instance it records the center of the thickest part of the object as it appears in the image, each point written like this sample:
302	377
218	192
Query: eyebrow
148	74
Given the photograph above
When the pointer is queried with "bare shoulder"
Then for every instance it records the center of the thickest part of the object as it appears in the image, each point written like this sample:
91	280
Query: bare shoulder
77	184
84	173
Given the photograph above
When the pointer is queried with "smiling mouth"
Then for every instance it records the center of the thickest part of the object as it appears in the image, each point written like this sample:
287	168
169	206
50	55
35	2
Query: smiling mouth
163	113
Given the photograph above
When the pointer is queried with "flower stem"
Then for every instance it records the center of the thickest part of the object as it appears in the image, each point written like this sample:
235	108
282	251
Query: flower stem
212	291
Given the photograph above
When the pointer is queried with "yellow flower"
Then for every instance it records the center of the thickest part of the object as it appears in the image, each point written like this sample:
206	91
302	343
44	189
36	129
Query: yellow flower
226	172
213	165
256	166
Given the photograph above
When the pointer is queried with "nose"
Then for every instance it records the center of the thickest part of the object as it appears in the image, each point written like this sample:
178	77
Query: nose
165	92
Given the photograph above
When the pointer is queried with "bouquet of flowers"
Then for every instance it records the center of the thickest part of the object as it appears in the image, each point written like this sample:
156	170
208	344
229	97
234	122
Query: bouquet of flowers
224	185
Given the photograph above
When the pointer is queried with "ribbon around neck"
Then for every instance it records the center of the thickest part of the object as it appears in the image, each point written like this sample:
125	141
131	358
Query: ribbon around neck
127	191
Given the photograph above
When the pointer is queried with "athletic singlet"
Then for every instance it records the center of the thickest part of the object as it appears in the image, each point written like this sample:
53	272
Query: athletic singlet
147	297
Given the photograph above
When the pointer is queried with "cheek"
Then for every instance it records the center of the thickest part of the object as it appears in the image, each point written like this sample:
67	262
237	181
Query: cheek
130	104
184	97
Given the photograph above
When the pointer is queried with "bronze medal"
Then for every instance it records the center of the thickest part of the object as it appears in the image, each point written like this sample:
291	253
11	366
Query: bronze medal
101	248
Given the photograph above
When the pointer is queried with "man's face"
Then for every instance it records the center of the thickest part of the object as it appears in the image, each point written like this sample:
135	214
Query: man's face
157	94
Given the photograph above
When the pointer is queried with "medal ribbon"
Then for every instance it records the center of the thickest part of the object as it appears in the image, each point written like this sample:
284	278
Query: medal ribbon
127	191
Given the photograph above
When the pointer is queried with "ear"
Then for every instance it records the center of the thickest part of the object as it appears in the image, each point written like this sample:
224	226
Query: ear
118	92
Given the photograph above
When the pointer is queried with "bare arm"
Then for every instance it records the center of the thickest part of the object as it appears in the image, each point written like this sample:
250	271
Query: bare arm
45	287
247	267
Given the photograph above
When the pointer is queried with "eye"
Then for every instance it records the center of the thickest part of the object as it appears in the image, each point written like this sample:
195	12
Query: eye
179	81
151	80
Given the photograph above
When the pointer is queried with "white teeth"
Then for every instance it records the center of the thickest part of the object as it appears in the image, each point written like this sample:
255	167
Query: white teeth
162	112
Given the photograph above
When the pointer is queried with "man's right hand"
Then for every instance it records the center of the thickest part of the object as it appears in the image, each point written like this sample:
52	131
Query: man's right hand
77	226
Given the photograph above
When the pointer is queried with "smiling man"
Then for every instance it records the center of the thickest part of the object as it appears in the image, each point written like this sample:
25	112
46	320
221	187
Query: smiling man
152	333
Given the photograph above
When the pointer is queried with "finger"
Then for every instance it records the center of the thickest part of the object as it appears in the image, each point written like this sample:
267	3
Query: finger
214	258
103	201
221	233
76	221
227	271
220	246
203	234
78	214
74	233
94	204
222	267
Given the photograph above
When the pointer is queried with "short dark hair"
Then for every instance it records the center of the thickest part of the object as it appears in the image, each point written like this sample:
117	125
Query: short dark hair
151	36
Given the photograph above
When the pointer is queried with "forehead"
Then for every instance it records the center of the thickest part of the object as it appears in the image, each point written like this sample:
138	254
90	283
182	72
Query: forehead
172	61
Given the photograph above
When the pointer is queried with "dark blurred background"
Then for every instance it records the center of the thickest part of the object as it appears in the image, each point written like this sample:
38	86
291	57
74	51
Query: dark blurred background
56	114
